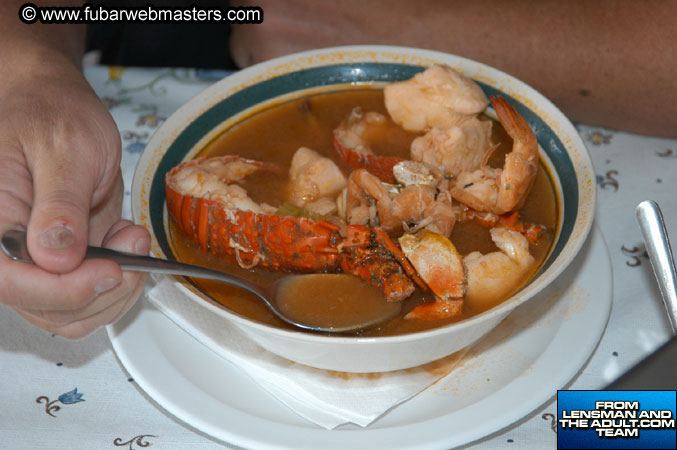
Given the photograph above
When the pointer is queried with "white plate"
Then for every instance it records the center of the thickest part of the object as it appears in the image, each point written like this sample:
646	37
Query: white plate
513	371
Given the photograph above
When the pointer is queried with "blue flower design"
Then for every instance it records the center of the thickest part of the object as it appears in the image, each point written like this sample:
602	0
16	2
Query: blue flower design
211	74
608	181
71	397
135	147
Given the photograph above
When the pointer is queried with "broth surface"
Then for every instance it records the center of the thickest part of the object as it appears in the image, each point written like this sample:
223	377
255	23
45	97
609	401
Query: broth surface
276	133
333	301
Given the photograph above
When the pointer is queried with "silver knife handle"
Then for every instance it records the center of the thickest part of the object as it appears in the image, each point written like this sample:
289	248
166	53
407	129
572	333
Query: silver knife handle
658	246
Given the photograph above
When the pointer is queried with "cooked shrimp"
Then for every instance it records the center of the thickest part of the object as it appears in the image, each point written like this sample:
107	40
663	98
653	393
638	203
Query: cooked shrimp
511	221
456	149
495	275
477	189
478	278
503	190
216	178
414	172
370	201
436	97
379	203
314	178
354	205
438	215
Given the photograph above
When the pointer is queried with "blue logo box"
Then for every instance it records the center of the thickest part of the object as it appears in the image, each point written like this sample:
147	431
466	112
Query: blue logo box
616	419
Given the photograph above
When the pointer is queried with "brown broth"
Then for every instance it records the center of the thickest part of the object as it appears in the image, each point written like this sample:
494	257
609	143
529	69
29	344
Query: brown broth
275	134
333	301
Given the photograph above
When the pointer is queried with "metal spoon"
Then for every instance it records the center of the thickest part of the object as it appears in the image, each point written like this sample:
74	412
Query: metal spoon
658	247
279	297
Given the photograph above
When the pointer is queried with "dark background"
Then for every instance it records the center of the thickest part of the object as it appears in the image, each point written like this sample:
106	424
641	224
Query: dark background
200	45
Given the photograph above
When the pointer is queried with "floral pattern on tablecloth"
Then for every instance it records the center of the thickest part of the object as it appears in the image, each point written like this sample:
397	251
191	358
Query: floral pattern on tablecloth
67	398
140	100
142	440
117	414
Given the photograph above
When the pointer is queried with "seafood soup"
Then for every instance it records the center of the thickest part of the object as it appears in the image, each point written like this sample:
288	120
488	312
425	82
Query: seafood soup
344	181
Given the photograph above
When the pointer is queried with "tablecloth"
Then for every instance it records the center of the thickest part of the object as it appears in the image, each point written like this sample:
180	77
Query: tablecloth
58	394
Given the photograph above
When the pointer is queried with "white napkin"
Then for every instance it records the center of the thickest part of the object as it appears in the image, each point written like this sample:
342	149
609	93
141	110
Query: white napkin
322	397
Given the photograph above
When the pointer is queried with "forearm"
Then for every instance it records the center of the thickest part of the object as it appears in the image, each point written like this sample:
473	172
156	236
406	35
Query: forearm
607	62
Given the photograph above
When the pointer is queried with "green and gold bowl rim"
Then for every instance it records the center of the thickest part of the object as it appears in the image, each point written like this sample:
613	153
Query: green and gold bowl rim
238	96
340	75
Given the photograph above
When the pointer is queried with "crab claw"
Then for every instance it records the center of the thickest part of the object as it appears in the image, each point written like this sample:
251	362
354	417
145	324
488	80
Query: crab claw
440	265
437	310
437	262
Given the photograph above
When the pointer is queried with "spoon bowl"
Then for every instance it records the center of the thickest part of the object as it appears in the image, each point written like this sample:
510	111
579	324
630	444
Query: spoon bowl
307	301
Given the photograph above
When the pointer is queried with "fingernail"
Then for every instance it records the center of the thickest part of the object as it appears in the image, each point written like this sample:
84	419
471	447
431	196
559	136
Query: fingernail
142	246
57	237
105	285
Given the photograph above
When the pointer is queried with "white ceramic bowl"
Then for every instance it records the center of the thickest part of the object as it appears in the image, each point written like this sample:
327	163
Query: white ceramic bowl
225	103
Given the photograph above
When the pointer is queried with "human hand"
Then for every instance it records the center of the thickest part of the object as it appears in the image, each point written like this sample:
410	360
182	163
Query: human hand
60	179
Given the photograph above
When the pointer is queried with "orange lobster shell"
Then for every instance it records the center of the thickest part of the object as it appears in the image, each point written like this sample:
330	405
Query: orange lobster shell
286	243
380	166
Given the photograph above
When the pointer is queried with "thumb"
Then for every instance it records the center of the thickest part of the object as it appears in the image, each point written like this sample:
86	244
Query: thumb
58	226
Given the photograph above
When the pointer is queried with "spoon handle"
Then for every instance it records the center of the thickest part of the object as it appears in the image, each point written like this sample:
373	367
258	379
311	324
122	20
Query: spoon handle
13	244
660	253
140	263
